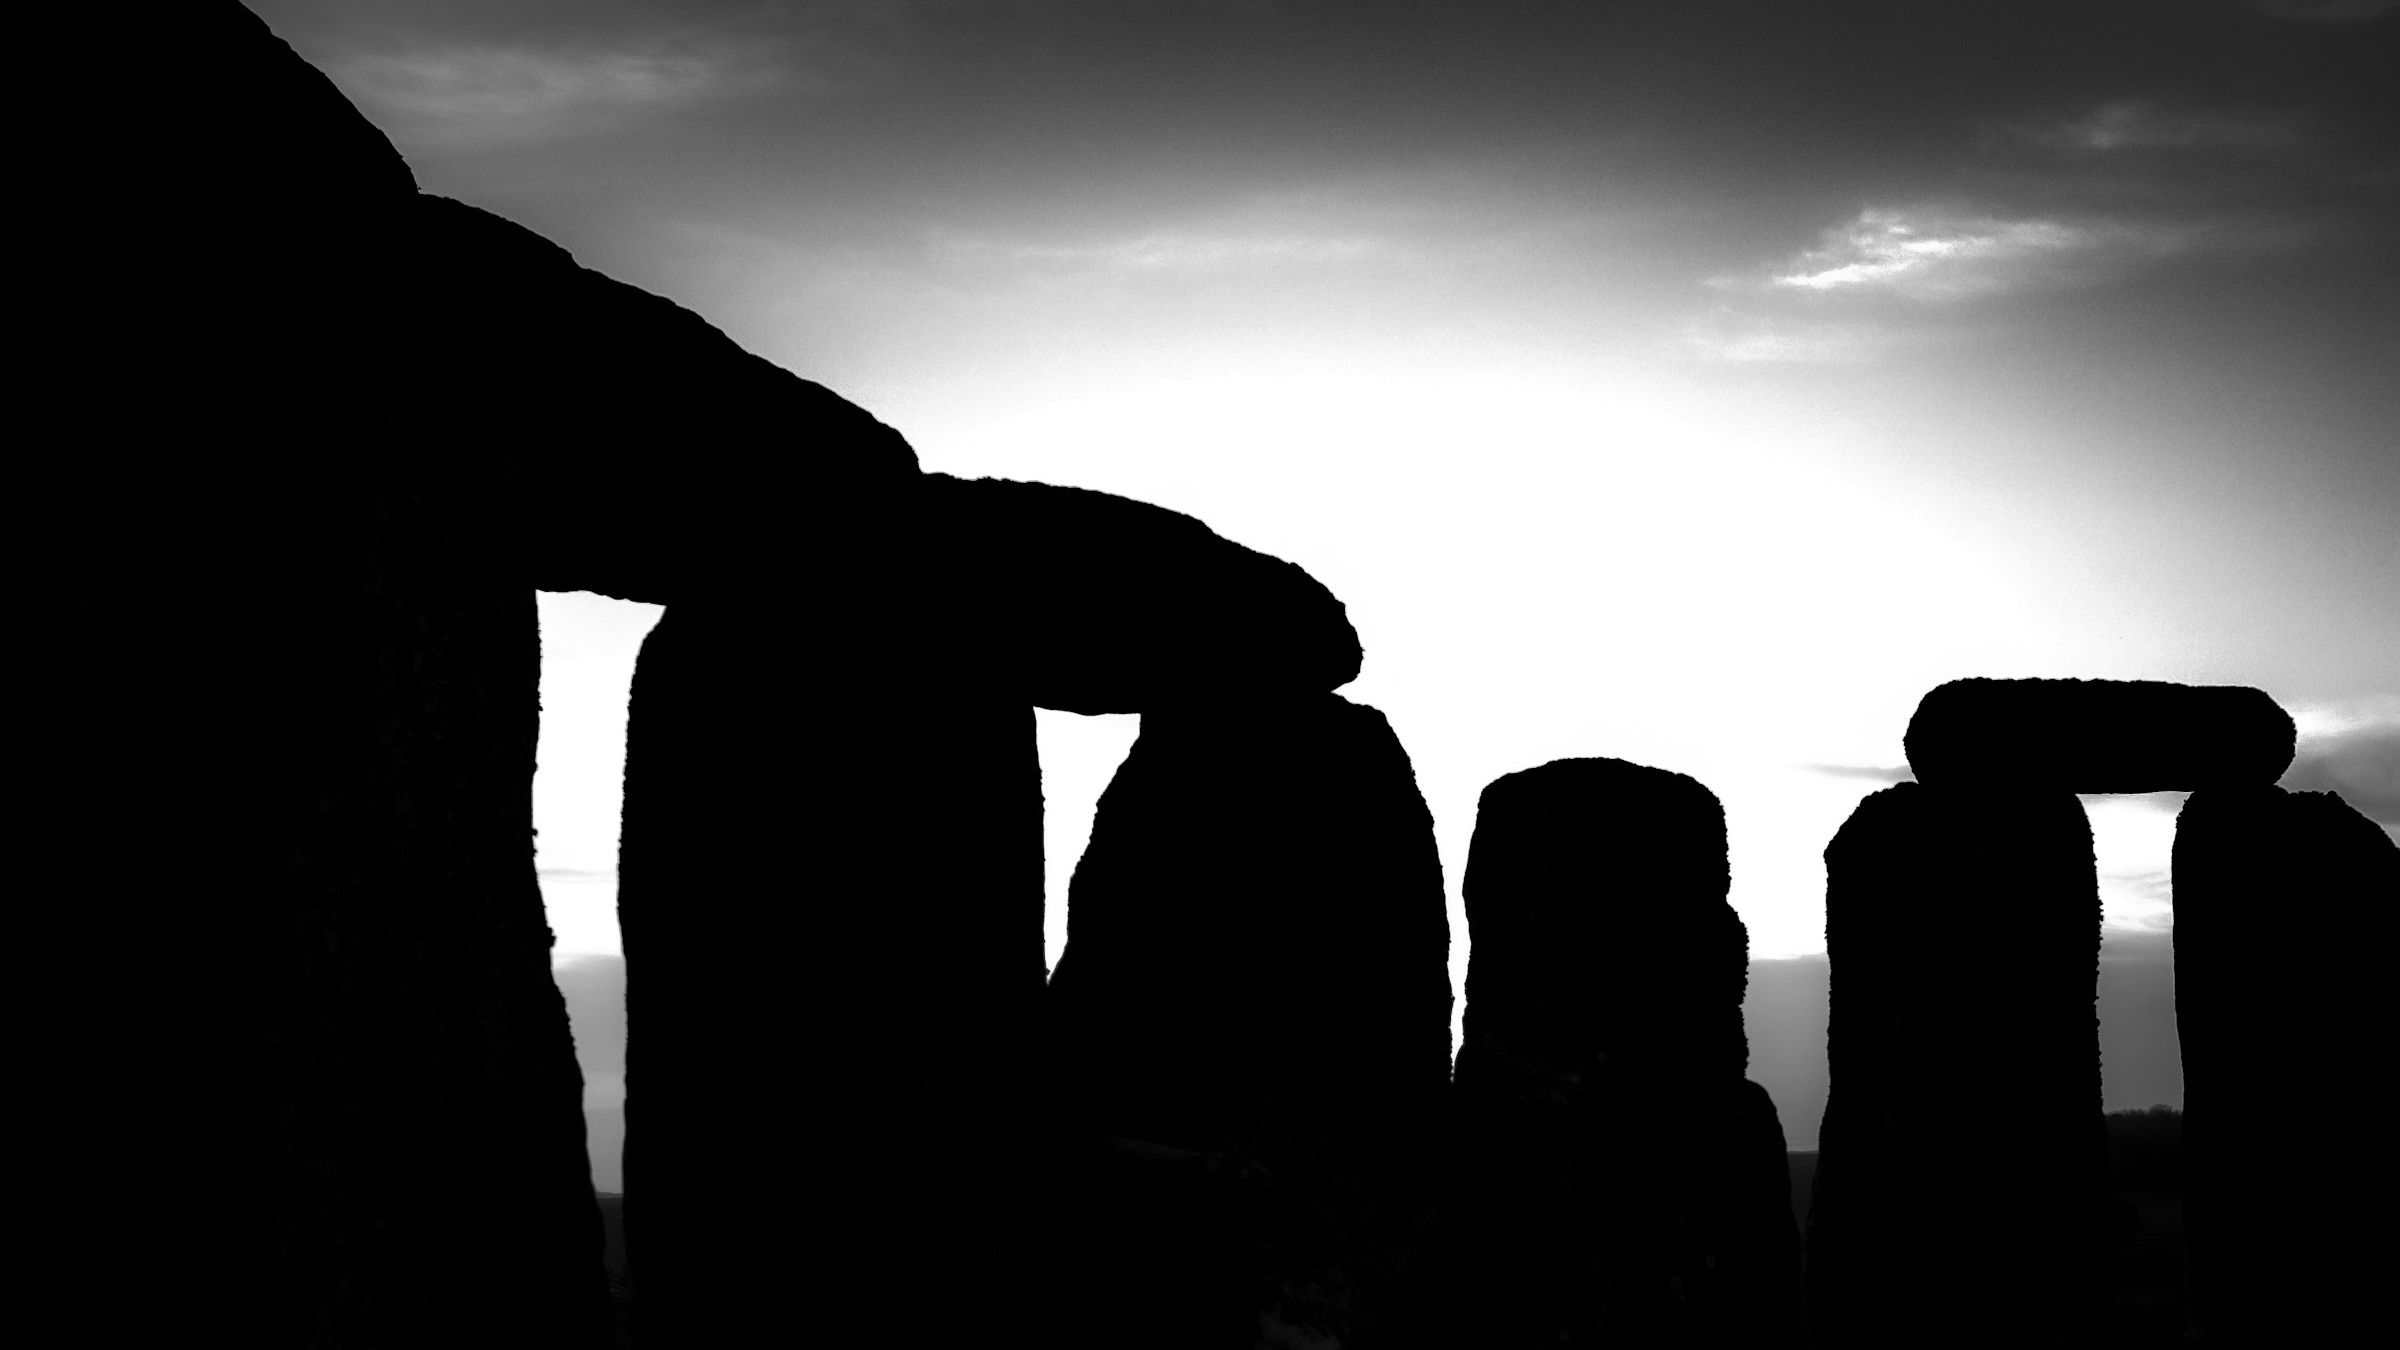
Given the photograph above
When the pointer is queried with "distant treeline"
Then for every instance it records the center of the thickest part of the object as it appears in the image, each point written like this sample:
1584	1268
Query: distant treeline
2145	1149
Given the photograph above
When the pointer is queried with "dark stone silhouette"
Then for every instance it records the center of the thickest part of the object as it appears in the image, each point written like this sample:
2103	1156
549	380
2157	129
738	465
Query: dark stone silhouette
313	453
2272	1006
1614	1180
1251	1020
1078	600
831	898
2097	736
290	895
1962	1174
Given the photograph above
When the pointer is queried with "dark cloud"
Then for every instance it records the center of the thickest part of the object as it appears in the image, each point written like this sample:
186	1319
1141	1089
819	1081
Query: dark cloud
572	873
2362	764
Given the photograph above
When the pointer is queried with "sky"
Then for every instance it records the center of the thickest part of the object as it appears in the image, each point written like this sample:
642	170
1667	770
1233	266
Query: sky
1692	383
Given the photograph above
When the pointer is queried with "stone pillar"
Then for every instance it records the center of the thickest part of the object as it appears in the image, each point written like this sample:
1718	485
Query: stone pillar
1614	1180
1963	1161
2275	1006
1252	1025
831	896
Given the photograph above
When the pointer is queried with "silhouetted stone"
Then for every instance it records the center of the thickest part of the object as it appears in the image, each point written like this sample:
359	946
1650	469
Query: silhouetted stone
2092	736
669	463
294	906
1614	1180
1072	599
1963	1166
2283	924
1596	892
831	898
1255	973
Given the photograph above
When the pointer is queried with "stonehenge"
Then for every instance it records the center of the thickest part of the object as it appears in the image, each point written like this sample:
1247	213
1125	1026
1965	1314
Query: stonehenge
286	886
1614	1179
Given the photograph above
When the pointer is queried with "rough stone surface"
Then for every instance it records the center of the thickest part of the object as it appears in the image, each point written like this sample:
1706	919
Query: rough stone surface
1613	1179
2090	736
2283	923
1078	600
1962	1165
1254	983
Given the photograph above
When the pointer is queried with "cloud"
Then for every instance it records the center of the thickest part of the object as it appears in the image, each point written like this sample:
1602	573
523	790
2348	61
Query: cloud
2362	763
1932	253
1167	251
2141	124
1728	335
1875	772
491	95
573	874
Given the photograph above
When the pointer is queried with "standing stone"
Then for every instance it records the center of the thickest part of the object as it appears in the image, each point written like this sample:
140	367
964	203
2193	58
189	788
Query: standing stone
1614	1180
287	1066
831	900
2283	906
1252	1026
1963	1161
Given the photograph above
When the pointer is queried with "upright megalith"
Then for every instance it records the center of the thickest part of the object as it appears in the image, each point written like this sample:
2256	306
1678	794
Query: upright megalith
1962	1166
2097	736
319	1088
1254	995
1614	1180
2283	923
831	898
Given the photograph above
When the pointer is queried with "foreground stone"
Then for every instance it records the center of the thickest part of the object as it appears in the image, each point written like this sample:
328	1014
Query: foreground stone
303	1076
831	901
2090	736
1963	1164
2283	919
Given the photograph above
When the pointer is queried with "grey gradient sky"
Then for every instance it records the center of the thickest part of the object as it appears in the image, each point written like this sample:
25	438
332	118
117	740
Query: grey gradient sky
1693	383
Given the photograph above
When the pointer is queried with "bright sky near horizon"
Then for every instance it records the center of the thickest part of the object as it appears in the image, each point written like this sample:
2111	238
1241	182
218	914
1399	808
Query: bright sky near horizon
1693	383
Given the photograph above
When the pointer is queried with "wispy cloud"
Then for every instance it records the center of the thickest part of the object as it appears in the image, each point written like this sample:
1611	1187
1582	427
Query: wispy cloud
488	95
2143	124
1897	773
1937	254
1931	253
1166	251
1733	336
2359	761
